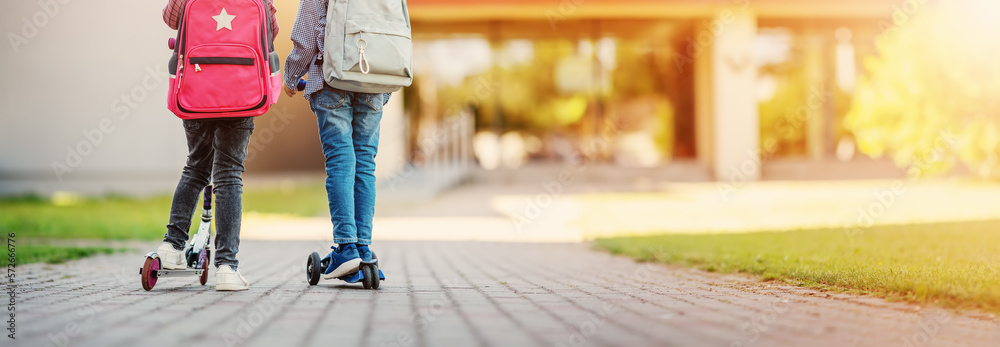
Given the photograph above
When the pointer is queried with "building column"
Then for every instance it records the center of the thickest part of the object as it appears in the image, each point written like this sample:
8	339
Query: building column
818	145
391	158
735	123
703	124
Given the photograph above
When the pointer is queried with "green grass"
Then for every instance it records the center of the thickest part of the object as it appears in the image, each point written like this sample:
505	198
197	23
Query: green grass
953	265
26	254
122	218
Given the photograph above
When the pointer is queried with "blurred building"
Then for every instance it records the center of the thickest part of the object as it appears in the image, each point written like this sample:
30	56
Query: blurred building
735	89
730	89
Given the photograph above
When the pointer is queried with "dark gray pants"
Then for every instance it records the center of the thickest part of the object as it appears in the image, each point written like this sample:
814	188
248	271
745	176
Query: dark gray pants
216	151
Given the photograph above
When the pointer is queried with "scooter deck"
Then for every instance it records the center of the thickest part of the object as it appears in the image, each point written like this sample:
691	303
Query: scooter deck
358	276
175	273
178	273
160	273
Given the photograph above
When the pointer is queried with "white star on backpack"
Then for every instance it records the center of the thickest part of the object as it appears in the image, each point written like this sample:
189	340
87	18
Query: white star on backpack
224	20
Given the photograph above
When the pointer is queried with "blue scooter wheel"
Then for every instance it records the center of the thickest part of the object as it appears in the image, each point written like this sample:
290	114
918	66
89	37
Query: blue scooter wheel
313	269
375	276
366	271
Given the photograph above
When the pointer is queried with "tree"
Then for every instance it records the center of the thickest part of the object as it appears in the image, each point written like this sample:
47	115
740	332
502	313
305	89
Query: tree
930	98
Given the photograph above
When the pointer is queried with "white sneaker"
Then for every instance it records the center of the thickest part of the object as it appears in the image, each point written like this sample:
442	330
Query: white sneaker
170	258
228	280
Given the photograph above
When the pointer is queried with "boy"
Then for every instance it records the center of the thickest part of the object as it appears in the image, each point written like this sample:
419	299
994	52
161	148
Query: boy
216	150
349	130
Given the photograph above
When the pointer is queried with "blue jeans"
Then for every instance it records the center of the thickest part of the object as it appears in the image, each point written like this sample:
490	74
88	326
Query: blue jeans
216	151
348	127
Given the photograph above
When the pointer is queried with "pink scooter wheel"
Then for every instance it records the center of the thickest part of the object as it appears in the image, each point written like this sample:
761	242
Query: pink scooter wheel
148	268
204	260
171	42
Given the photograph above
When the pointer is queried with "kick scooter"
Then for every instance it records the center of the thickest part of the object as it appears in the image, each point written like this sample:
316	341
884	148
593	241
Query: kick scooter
369	274
197	254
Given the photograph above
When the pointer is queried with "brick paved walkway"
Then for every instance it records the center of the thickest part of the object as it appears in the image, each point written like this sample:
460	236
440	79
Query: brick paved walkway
464	294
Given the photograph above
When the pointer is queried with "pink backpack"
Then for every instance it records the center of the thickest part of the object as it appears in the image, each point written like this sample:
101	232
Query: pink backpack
224	64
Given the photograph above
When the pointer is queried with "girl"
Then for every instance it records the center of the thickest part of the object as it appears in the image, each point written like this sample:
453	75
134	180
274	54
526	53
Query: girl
217	149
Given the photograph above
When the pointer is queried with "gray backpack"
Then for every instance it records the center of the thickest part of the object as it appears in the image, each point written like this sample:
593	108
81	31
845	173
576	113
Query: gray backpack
368	47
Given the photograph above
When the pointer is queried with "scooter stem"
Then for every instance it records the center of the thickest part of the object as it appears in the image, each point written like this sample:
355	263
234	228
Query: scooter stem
208	198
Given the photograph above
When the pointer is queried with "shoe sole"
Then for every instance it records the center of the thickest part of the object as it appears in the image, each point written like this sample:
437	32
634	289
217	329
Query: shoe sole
230	288
344	269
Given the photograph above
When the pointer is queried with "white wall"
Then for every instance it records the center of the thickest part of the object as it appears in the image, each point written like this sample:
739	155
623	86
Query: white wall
74	74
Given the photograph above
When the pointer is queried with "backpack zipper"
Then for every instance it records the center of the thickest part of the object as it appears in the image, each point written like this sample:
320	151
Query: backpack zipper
362	59
180	71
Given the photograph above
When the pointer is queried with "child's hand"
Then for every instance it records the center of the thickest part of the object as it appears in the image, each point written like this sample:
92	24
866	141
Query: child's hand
289	92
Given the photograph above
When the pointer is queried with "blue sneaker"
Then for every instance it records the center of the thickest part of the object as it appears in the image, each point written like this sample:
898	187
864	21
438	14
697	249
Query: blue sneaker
367	256
343	260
